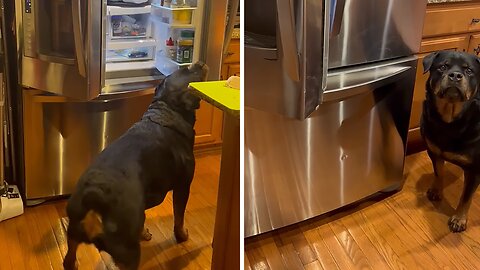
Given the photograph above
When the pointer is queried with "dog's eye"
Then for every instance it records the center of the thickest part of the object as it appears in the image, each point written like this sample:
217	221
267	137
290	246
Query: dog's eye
469	71
443	67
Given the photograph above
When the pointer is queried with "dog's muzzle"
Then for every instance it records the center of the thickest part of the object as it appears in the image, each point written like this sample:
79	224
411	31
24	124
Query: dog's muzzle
452	94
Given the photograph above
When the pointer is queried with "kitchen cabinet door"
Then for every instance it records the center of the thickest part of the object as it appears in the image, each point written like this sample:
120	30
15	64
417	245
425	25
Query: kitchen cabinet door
208	127
456	43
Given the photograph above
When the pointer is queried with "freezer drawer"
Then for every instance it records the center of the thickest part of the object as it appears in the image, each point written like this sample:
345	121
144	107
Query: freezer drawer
351	147
62	138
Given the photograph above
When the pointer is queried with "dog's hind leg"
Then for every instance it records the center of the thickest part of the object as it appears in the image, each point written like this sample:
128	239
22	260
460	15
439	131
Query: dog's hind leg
69	263
126	256
458	222
180	199
434	193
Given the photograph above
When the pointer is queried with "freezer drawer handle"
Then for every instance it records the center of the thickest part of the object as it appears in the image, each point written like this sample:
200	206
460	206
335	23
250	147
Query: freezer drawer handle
78	37
374	82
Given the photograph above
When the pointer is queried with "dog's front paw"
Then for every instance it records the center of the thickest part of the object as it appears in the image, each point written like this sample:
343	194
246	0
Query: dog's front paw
146	235
434	195
457	224
181	234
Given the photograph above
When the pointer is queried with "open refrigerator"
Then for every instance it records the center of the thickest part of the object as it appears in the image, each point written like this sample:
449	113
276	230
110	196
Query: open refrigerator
151	40
87	72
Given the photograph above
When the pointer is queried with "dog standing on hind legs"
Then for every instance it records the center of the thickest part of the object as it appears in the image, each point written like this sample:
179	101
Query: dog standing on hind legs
450	124
135	172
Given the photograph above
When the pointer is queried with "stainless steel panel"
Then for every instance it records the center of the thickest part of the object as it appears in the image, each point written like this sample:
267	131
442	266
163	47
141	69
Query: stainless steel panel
373	30
288	66
213	36
77	74
62	137
346	150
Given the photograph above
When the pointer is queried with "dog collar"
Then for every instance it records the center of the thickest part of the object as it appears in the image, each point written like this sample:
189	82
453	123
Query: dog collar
160	113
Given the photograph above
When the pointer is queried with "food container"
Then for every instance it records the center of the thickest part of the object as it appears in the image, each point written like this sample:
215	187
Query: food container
182	15
130	26
130	54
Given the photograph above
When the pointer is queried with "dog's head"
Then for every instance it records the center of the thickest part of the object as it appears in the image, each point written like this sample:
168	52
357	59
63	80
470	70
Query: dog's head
454	76
173	90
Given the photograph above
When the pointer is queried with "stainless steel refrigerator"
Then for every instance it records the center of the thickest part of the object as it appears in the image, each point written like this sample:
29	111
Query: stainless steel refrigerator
87	71
328	90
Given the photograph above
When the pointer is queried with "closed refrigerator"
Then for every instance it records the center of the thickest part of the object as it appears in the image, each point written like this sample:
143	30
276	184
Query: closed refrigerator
328	90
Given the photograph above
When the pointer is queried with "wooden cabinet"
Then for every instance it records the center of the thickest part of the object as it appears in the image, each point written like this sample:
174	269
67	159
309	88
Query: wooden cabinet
209	123
474	44
231	63
447	27
208	128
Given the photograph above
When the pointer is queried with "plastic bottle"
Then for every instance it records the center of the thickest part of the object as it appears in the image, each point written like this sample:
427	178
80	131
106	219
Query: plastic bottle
185	46
170	50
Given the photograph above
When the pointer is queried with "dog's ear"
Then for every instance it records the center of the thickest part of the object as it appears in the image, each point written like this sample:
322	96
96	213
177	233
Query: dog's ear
159	89
428	61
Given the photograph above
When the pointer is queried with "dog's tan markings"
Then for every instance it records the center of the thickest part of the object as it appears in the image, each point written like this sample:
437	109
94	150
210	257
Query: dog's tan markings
92	224
462	159
432	147
448	110
448	156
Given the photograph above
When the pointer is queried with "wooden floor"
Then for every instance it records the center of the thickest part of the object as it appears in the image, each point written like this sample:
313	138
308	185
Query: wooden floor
404	231
37	240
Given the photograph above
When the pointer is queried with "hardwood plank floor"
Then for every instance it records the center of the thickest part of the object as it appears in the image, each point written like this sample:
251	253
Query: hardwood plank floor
403	231
37	239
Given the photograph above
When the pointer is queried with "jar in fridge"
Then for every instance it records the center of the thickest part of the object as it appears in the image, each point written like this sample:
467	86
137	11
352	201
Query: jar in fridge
185	46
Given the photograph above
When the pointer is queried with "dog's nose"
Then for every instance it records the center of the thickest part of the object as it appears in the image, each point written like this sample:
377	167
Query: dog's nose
455	76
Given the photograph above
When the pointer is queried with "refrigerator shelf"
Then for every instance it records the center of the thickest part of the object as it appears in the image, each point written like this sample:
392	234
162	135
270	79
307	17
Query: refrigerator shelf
176	63
174	9
166	65
175	25
114	10
126	44
124	66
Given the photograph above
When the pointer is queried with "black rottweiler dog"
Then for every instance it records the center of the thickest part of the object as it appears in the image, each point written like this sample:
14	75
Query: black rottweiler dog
135	173
450	124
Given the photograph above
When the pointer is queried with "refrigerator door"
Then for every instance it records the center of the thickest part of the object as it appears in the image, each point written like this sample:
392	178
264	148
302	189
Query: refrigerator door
352	146
373	30
61	46
286	44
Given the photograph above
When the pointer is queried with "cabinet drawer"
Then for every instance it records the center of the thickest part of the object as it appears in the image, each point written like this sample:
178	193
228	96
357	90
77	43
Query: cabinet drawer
474	45
451	19
233	53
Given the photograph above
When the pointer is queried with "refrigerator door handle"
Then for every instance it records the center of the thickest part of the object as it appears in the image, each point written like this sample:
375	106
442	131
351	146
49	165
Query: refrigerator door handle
78	37
288	39
342	86
336	10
